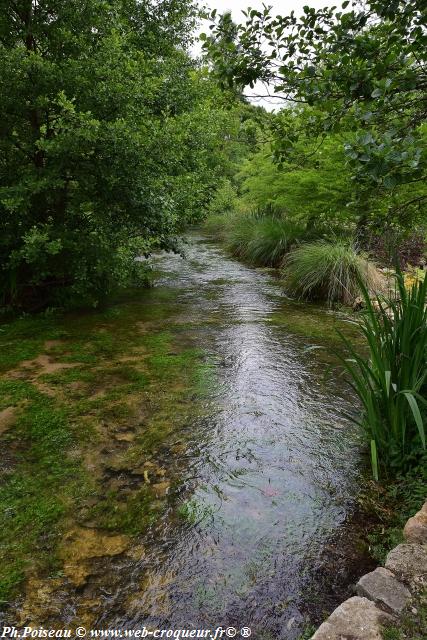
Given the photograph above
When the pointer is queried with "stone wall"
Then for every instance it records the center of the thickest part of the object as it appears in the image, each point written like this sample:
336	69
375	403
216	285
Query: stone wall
383	594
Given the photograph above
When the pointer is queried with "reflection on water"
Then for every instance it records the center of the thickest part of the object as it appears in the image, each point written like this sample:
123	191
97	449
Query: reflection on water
267	472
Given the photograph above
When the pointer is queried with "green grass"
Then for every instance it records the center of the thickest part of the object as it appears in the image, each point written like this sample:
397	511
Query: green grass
23	339
329	271
239	234
392	382
32	497
45	486
261	238
262	241
14	392
271	241
308	632
411	626
131	517
393	504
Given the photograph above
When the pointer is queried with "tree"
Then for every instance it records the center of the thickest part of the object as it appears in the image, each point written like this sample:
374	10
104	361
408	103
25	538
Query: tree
364	70
100	106
315	191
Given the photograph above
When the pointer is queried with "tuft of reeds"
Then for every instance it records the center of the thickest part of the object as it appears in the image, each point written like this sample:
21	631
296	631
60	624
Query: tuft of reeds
240	232
261	240
216	225
392	382
272	238
330	271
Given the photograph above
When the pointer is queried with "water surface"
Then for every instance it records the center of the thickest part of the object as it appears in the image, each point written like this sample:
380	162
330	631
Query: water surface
266	472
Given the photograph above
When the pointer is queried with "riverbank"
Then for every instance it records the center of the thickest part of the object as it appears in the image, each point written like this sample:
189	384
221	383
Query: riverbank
180	456
384	509
390	601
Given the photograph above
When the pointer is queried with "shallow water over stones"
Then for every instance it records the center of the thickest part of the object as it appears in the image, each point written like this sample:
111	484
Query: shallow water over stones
255	473
267	473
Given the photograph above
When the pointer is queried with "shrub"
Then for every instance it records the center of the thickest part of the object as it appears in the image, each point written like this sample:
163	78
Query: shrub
392	382
224	199
261	240
240	232
330	271
216	225
271	240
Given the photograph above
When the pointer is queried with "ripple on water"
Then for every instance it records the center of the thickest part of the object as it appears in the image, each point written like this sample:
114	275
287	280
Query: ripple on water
269	471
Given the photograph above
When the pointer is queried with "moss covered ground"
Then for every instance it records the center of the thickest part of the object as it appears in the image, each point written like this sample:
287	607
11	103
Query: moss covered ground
85	402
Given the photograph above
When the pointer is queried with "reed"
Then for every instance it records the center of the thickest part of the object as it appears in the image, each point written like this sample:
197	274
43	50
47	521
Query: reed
392	382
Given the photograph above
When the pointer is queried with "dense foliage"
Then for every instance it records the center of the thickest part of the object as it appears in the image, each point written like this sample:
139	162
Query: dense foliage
110	142
358	71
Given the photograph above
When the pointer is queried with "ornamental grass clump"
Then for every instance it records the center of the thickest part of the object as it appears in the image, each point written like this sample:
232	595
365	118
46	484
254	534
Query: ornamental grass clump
263	241
392	382
271	240
329	271
240	233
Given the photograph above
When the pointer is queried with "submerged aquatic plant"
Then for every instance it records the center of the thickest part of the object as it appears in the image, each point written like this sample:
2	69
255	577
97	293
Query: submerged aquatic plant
331	271
392	382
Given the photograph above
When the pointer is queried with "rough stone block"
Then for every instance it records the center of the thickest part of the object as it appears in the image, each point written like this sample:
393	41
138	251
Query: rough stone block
382	587
408	562
357	618
416	528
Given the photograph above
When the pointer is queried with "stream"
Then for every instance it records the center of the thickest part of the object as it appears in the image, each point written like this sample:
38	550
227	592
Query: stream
231	475
270	469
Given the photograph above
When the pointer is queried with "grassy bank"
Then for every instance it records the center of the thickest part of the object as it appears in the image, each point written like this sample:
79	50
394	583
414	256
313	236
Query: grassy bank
312	268
86	401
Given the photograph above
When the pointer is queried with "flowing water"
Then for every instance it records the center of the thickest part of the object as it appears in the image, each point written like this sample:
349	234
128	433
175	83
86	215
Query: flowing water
269	471
262	466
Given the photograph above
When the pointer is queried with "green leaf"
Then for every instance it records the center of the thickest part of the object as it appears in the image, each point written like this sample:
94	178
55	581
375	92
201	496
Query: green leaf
417	415
387	382
374	460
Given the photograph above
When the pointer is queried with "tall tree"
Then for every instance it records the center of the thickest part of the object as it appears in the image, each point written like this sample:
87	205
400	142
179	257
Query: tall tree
364	69
92	94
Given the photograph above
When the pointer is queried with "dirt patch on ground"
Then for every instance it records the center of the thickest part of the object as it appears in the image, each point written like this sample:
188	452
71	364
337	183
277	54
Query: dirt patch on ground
44	365
7	419
51	344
